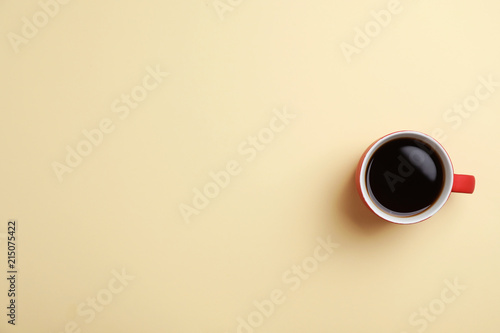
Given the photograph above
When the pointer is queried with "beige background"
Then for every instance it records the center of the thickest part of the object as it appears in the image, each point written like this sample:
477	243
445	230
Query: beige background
119	209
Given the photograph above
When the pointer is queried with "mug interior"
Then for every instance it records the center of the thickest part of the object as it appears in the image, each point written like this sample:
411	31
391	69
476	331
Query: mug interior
438	203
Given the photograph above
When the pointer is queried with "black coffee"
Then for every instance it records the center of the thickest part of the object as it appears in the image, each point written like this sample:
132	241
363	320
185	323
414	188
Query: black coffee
405	176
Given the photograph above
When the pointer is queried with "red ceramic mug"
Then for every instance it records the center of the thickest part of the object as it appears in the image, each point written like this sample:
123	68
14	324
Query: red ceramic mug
449	181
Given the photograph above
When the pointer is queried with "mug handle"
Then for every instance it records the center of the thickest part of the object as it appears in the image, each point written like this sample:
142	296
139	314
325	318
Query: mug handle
463	183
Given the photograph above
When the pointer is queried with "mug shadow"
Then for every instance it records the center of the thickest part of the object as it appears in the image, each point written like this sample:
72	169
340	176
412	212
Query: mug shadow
355	215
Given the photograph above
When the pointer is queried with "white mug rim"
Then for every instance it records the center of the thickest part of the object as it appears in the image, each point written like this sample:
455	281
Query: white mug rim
436	206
